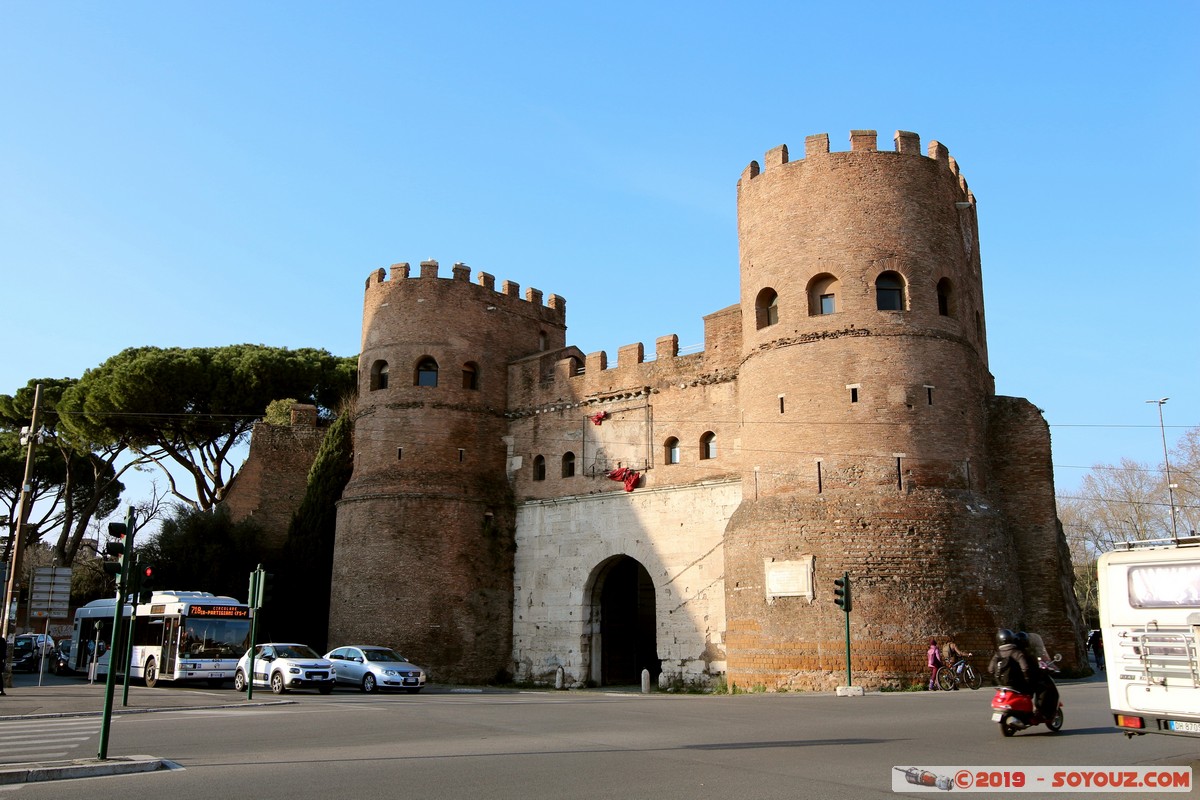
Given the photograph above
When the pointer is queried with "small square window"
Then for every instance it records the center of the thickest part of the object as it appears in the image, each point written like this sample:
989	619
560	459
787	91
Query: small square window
827	304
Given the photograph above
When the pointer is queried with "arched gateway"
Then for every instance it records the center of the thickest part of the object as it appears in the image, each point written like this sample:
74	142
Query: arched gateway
620	635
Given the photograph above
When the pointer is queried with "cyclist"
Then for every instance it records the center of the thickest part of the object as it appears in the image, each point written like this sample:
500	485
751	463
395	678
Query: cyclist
951	656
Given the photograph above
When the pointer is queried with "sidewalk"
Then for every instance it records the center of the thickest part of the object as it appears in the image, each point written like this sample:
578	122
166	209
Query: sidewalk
72	696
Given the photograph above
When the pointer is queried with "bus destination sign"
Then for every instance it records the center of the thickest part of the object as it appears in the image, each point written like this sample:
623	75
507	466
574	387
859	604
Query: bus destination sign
227	612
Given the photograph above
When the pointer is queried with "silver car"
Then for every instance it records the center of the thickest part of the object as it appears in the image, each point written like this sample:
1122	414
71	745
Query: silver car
372	668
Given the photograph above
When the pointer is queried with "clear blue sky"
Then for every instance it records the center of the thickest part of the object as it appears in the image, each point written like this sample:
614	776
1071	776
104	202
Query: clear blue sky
188	174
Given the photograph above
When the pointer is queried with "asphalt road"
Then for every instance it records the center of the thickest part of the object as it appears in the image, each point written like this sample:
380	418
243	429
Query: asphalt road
577	744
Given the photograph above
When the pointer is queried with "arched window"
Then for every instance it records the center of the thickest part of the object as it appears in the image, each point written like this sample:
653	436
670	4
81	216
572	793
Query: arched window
427	372
539	468
766	308
889	292
671	451
379	375
568	465
822	294
470	375
945	295
708	446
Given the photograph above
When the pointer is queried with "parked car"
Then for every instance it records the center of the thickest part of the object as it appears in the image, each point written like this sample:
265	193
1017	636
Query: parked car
370	668
285	666
28	649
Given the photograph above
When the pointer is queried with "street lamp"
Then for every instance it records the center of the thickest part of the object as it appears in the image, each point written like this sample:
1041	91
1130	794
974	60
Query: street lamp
1167	465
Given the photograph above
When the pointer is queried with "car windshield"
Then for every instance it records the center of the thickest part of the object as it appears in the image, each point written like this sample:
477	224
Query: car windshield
295	651
382	654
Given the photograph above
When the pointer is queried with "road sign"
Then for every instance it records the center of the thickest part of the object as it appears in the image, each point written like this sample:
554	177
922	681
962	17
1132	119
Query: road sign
50	594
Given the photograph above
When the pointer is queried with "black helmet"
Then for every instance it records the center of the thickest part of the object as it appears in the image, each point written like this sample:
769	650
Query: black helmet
1005	636
1022	640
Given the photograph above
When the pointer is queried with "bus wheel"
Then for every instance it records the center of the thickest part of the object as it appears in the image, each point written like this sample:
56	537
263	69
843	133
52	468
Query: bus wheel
151	674
277	683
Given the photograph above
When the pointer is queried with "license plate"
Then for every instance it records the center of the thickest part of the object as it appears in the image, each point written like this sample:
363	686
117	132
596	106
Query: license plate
1183	727
410	680
217	675
997	717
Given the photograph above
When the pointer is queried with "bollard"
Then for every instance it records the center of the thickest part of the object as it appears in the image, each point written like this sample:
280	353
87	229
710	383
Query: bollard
558	678
645	681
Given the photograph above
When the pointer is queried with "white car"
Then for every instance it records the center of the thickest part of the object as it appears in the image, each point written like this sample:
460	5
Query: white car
285	666
371	668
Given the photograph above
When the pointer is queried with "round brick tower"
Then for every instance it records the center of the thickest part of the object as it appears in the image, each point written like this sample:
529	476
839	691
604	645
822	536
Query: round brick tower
863	387
424	549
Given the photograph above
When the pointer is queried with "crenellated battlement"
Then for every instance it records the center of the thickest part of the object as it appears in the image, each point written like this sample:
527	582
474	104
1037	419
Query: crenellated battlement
861	141
428	270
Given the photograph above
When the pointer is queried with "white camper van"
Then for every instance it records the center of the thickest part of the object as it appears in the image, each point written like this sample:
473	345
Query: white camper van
1150	620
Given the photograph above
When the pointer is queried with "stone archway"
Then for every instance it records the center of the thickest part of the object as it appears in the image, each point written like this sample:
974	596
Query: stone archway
623	623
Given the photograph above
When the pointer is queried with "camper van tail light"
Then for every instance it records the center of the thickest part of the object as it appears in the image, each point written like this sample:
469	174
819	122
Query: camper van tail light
1127	721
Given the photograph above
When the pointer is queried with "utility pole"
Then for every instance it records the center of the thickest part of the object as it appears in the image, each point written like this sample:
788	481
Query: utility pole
24	503
1167	465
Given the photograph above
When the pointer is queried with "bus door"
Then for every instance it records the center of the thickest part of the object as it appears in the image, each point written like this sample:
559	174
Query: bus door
170	648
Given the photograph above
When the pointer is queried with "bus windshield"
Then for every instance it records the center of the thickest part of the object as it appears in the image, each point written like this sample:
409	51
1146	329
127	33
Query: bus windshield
215	638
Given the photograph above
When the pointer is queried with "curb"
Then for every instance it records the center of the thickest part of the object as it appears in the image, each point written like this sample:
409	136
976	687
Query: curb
89	768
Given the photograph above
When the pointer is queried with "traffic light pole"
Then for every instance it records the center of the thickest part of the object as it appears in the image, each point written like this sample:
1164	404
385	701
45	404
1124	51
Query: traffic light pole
849	676
133	586
844	599
111	678
255	603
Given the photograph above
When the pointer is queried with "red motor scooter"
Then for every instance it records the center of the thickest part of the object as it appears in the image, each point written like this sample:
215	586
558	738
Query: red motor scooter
1014	711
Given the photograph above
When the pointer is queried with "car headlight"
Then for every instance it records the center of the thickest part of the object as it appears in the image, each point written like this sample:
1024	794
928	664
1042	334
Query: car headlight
294	670
391	673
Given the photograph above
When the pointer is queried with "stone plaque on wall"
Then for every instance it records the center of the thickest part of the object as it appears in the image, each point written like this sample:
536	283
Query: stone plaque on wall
789	578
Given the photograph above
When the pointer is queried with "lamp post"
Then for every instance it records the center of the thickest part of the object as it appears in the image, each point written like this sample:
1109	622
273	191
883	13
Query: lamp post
1167	465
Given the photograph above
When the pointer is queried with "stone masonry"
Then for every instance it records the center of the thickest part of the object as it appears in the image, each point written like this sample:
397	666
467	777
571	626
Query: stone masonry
521	509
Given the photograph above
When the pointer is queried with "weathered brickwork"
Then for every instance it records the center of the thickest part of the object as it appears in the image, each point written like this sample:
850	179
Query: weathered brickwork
556	516
270	485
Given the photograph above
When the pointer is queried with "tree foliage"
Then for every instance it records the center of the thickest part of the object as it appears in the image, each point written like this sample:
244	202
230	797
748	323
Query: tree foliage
71	483
188	408
1130	501
202	551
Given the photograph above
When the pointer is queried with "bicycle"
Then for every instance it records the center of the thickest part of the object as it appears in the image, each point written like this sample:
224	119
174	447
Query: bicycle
960	673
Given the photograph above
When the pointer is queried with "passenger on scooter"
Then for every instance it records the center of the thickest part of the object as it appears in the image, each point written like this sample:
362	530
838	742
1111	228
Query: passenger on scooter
1010	665
1045	693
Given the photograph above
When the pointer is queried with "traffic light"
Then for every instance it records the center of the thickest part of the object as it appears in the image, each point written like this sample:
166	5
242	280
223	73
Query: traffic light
260	588
139	583
841	592
145	584
118	547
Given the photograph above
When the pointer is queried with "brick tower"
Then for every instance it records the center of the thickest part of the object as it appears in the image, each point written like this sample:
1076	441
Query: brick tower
423	556
866	401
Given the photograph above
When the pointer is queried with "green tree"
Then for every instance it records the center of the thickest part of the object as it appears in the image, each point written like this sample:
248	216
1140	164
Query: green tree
202	551
304	579
188	408
72	483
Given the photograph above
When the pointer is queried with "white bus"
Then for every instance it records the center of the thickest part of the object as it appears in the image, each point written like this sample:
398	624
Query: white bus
177	636
1150	621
